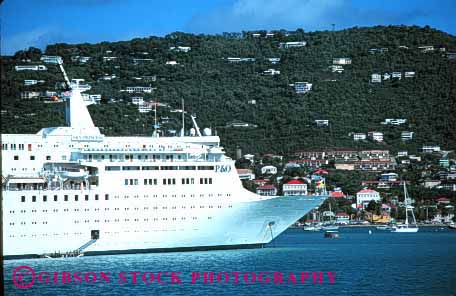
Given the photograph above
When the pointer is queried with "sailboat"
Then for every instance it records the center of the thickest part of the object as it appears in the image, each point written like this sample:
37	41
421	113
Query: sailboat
406	227
330	225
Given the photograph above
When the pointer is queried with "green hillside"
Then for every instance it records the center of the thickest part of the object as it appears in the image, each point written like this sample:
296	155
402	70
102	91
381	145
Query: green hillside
218	91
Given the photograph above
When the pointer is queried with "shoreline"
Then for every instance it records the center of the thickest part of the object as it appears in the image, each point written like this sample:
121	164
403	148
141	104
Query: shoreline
374	225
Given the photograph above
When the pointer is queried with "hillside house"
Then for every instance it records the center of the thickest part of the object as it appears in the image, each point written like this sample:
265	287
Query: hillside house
322	122
430	148
375	136
336	69
51	59
137	100
342	61
139	89
266	190
397	75
271	72
31	68
302	87
294	187
109	59
292	44
269	170
359	136
274	61
407	136
180	48
426	48
376	78
30	95
392	121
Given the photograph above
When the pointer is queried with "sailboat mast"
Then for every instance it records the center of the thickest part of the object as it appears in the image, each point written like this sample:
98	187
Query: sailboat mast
406	204
183	119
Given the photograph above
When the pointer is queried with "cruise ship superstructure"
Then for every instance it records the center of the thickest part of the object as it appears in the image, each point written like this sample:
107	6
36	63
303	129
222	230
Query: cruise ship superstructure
68	189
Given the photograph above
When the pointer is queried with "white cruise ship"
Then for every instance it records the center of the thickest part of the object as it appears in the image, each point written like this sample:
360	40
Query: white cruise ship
73	190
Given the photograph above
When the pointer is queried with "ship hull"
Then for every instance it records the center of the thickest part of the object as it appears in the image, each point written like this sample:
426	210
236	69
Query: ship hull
246	224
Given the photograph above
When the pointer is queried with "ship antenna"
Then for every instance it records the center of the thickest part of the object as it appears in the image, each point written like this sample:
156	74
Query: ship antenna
65	76
195	125
183	119
155	120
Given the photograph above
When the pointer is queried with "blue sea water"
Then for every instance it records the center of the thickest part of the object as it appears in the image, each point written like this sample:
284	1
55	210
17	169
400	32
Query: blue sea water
382	263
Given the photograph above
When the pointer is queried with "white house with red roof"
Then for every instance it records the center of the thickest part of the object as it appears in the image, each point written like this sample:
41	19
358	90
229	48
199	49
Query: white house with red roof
363	197
294	187
268	190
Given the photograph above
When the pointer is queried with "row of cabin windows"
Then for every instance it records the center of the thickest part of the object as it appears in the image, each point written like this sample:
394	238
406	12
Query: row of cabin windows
14	146
169	181
117	220
128	209
96	196
205	180
130	156
162	168
32	157
65	197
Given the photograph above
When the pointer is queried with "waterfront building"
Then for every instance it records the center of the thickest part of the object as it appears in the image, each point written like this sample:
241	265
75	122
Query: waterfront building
342	218
364	196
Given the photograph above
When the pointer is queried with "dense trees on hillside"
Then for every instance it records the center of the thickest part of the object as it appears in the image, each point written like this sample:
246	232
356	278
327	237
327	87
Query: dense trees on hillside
218	91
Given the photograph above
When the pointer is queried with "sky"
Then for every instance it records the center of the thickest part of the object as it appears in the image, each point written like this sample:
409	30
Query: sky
37	23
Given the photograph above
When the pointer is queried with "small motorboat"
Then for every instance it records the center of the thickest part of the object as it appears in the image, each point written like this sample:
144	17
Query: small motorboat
331	234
